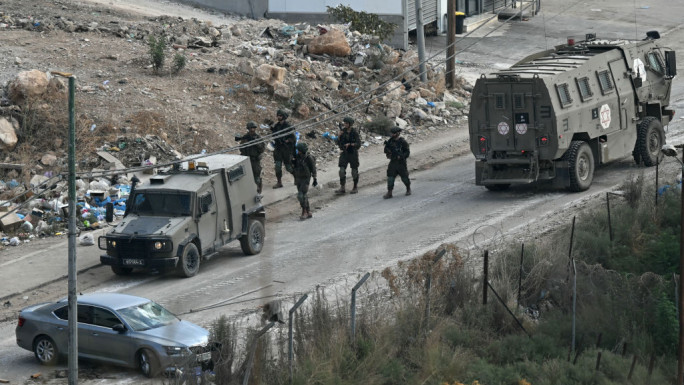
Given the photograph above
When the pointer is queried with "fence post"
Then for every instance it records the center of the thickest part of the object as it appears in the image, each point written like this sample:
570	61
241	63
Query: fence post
353	305
598	361
252	351
290	350
631	368
509	310
572	237
610	224
485	277
428	285
574	302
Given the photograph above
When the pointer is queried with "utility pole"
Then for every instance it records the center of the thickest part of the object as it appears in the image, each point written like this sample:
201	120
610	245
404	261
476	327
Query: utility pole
451	40
680	361
72	299
420	32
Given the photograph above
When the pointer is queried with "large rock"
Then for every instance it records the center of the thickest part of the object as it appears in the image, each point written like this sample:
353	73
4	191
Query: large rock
269	74
27	85
333	43
282	91
8	135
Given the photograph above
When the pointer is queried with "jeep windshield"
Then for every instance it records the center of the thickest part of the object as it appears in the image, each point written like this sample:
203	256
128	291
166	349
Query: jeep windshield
161	203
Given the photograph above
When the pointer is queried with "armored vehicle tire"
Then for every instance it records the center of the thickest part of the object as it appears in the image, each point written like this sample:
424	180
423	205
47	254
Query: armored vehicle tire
580	165
497	187
118	270
650	141
253	241
189	262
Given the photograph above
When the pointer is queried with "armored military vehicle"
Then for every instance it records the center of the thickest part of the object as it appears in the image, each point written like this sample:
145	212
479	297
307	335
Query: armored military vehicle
557	114
184	215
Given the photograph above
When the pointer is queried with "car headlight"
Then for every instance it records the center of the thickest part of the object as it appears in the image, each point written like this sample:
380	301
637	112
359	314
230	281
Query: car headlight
174	350
158	245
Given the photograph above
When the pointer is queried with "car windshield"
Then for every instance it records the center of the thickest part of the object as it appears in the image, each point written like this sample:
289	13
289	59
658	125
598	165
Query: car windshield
146	316
161	203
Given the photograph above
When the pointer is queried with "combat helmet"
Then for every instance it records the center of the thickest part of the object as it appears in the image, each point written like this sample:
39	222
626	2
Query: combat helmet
302	147
251	124
283	113
349	120
395	129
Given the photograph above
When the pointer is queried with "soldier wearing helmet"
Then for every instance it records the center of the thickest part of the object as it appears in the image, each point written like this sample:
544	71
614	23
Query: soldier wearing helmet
397	151
254	151
349	143
284	146
304	170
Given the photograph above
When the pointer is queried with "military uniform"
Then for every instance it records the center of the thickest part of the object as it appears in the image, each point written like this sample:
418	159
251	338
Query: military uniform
254	152
397	151
349	143
304	170
284	147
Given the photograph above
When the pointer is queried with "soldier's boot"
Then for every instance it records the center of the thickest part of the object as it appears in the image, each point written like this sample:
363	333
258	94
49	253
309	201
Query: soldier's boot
388	195
308	211
341	190
355	189
303	216
408	190
279	184
259	187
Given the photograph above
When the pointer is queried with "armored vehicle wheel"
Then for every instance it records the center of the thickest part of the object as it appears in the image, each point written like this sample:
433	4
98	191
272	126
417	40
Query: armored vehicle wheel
118	270
45	350
253	241
650	141
189	263
580	165
497	187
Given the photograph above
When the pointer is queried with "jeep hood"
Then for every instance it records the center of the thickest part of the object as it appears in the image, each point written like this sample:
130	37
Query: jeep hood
133	224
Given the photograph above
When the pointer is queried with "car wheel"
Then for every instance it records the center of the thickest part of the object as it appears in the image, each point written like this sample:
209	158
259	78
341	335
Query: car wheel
581	165
189	263
118	270
650	141
147	362
45	350
253	241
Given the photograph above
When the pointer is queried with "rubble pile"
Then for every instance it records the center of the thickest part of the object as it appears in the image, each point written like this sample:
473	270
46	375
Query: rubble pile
234	73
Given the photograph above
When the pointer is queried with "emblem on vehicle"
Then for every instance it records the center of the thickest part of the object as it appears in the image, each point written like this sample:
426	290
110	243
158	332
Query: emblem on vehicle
521	128
605	116
503	128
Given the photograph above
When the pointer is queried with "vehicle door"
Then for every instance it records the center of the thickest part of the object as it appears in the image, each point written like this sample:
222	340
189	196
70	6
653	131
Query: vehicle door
625	97
107	344
61	329
208	220
510	110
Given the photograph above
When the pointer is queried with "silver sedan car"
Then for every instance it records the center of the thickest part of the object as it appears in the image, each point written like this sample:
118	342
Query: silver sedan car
118	329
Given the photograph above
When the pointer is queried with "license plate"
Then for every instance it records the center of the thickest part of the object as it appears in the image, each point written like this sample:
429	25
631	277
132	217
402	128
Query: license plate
134	262
204	356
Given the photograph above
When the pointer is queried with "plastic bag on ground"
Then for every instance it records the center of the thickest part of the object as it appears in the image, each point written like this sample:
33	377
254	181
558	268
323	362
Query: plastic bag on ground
86	239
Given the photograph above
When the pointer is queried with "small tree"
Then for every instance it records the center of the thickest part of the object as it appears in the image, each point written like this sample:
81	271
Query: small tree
367	23
157	54
179	61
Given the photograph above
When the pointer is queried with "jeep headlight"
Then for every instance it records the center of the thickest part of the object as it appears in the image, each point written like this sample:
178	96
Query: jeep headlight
158	245
113	243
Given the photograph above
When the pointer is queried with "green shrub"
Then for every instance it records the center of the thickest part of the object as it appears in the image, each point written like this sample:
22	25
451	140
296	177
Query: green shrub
179	62
380	125
666	328
157	47
366	23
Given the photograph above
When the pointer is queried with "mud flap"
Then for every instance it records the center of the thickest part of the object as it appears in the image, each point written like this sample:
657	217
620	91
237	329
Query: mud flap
562	179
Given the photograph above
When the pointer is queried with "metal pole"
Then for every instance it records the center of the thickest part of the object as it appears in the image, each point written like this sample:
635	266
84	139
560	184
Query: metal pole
353	305
290	350
572	236
451	41
574	302
610	225
520	273
420	34
656	181
72	299
680	350
250	359
486	277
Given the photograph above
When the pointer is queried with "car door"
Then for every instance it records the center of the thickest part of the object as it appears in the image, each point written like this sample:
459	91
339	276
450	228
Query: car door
106	343
60	329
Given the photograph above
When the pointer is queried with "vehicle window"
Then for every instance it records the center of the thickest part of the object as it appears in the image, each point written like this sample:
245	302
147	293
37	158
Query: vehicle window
62	313
605	82
105	318
85	314
236	173
518	101
149	315
584	88
654	62
205	202
563	94
160	203
499	101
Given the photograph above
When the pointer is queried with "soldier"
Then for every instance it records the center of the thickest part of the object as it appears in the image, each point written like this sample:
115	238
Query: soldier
253	151
304	170
397	151
349	142
284	146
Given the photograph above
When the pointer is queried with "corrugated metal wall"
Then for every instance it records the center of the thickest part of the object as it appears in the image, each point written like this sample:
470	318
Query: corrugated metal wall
493	5
429	12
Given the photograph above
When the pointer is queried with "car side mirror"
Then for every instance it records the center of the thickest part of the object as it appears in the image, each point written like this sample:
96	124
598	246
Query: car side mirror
119	328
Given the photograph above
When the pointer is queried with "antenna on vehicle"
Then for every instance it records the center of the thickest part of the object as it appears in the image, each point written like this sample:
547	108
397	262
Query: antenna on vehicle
636	32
